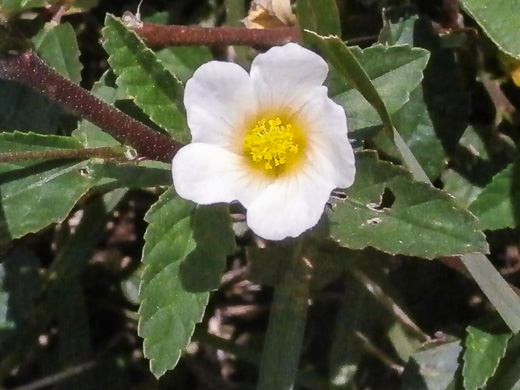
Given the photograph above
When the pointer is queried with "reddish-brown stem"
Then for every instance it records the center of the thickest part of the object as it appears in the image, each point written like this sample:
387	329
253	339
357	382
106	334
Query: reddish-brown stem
158	36
28	69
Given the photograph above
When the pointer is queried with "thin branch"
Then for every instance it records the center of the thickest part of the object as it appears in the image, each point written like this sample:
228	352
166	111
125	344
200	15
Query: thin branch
106	152
57	378
159	36
500	100
390	304
28	69
379	353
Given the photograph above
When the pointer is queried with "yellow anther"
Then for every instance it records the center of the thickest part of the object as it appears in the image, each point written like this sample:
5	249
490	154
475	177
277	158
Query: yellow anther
271	141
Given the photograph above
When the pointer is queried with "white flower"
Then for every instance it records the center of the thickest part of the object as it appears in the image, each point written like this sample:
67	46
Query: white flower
271	140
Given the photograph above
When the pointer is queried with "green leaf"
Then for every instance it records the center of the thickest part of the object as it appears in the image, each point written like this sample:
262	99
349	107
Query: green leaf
58	47
338	53
351	70
36	194
26	142
12	7
184	254
415	126
155	90
398	25
182	61
498	205
433	368
499	20
465	180
111	175
321	17
22	108
484	350
460	187
413	119
395	72
508	376
445	93
446	85
388	210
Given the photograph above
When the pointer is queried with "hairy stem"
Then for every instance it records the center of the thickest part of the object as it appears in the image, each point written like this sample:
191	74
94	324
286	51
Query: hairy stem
28	69
105	152
158	36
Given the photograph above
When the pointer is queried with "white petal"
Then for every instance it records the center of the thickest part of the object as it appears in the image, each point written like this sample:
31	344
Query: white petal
290	205
218	98
208	174
328	146
284	75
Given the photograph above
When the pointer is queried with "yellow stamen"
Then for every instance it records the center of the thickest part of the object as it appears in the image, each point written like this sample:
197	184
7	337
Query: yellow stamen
271	142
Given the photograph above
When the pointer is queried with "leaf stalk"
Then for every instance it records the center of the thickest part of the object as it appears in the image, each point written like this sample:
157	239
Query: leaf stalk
104	152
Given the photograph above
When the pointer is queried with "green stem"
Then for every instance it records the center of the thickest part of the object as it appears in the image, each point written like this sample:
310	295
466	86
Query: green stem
59	154
283	343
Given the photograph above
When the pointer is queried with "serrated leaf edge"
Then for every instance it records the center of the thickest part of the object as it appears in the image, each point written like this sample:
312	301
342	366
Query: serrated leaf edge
499	358
443	193
123	81
386	49
188	326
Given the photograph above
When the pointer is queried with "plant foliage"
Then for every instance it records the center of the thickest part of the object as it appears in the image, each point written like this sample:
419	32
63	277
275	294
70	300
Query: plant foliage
108	279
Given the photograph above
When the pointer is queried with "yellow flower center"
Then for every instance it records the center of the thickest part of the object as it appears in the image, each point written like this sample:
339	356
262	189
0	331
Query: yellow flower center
272	143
